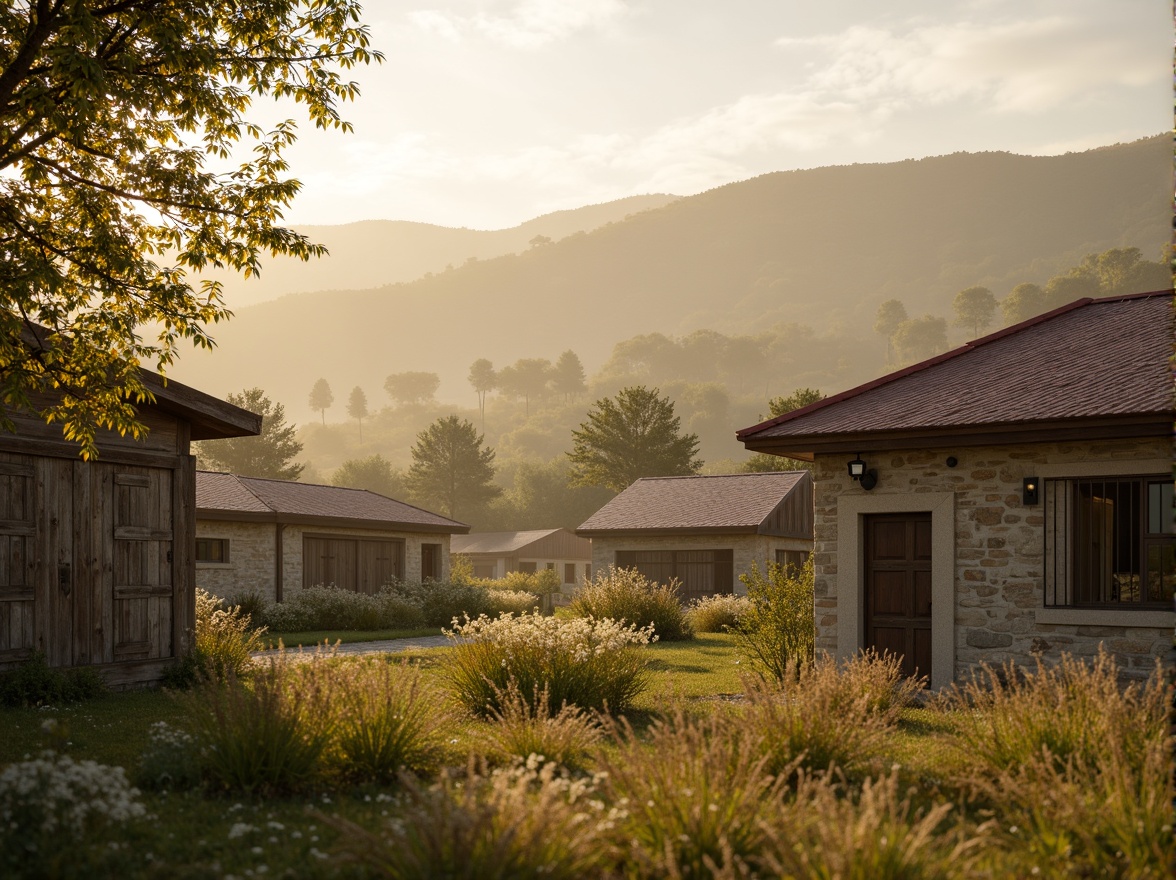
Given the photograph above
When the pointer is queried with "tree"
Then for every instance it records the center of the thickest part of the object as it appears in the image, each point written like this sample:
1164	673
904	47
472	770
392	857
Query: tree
374	473
321	398
270	454
974	307
412	387
919	339
1123	270
634	435
1023	302
801	397
762	462
567	377
540	498
451	470
483	379
525	378
890	315
357	408
117	124
1063	289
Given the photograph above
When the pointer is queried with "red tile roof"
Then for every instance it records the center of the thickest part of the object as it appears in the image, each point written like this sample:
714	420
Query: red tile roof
727	502
279	500
1101	359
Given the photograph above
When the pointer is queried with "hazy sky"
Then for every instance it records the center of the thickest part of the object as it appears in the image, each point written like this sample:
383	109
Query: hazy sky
490	112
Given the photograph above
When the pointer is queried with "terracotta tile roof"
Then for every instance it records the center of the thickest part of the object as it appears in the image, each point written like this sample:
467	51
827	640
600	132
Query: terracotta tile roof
230	493
735	502
498	542
1091	359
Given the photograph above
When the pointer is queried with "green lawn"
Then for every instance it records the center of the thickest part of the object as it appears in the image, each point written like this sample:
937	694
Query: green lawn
317	637
708	666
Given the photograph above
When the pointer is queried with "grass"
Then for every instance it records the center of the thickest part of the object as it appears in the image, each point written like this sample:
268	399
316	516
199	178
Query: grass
347	637
707	667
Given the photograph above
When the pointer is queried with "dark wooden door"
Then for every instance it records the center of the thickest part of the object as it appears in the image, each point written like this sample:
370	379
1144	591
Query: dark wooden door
898	588
18	529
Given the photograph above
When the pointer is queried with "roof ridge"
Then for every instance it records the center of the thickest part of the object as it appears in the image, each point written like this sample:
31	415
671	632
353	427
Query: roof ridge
241	482
948	355
713	476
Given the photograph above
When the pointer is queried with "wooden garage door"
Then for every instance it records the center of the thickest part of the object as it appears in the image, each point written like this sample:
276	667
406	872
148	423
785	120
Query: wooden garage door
898	588
360	564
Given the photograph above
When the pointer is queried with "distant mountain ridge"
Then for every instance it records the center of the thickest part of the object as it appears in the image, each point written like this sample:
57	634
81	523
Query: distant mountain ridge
821	247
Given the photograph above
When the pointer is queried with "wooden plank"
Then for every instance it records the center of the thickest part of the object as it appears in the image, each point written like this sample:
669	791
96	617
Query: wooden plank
133	673
15	655
83	586
141	481
16	469
183	515
69	452
16	594
129	649
102	620
142	591
18	527
141	533
7	626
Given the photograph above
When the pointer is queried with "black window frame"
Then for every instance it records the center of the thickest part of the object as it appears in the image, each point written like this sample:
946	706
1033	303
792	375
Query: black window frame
224	544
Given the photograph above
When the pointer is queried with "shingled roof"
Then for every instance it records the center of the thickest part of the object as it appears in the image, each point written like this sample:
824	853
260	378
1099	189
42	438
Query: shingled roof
732	503
1096	368
232	497
503	543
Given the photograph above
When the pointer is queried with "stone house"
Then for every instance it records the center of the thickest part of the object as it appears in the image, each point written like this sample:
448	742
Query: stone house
704	531
275	536
494	554
1007	500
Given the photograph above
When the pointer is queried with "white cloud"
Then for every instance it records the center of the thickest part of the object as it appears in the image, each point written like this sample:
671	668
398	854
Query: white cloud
527	24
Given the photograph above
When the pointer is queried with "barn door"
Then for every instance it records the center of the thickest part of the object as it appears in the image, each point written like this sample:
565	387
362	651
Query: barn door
17	533
139	518
898	588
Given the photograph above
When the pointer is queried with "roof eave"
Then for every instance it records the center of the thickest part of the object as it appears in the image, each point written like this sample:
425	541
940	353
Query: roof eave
669	531
208	513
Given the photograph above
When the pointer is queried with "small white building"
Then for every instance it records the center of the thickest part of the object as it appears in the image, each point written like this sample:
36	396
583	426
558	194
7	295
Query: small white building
705	531
495	554
275	536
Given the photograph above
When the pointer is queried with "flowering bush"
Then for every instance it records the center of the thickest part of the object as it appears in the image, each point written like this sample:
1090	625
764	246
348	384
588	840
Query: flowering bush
225	638
52	800
626	594
578	661
170	760
713	614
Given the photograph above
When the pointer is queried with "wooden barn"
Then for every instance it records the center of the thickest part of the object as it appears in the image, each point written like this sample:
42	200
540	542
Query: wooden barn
96	558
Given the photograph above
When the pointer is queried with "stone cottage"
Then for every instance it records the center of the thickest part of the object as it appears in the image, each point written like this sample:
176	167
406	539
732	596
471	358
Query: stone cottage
495	554
1007	500
704	531
274	536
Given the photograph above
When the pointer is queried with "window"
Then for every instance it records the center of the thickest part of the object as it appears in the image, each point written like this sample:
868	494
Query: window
569	573
431	561
1109	543
212	550
551	566
791	560
699	572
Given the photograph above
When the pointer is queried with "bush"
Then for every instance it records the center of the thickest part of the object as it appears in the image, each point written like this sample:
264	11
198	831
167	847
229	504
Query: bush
386	719
714	614
522	823
326	607
441	602
574	661
266	734
249	604
778	631
521	728
510	602
225	640
626	595
35	683
695	792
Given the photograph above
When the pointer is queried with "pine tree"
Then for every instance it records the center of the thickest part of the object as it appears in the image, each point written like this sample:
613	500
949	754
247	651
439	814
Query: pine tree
321	398
271	454
450	469
357	408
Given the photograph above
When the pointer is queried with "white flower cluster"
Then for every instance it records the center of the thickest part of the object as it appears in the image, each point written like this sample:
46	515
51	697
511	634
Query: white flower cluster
582	637
54	794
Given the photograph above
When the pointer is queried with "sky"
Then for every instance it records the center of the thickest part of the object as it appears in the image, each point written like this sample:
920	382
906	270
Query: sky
487	113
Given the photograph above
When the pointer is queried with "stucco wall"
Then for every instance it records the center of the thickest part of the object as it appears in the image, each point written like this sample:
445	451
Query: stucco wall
746	549
995	557
251	555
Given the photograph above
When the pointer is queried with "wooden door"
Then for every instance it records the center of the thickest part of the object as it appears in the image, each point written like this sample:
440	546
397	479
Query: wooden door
17	558
898	588
377	565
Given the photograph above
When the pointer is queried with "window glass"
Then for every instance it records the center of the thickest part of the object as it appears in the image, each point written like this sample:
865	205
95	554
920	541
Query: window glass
212	550
1159	509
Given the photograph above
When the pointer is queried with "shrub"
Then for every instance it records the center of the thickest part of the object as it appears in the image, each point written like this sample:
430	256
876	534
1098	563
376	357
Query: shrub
827	831
827	715
695	790
326	607
522	823
52	801
35	683
386	719
441	602
574	661
713	614
537	582
521	728
626	595
224	639
266	734
510	602
778	630
249	604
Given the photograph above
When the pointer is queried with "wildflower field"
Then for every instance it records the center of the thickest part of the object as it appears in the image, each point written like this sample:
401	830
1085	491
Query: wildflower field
407	767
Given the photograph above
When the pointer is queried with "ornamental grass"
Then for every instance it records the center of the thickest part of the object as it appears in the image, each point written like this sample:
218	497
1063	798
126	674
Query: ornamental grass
520	728
626	595
225	639
582	662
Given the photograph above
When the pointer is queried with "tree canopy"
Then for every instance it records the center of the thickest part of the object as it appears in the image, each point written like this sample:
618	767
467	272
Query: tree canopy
413	386
567	376
525	378
974	308
270	455
1023	302
891	314
122	125
357	408
634	435
920	338
321	398
483	379
450	469
374	473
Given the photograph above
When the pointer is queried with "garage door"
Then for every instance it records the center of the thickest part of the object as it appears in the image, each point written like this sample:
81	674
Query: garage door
360	564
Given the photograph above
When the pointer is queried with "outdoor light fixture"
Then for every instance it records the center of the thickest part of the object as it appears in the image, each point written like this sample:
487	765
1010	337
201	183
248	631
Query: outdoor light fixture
952	461
867	478
1030	490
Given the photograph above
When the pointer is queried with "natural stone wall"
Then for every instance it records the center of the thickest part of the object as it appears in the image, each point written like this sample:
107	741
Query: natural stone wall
999	550
746	549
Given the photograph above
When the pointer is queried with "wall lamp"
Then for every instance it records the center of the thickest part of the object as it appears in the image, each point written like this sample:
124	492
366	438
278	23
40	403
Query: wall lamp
866	478
1030	490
